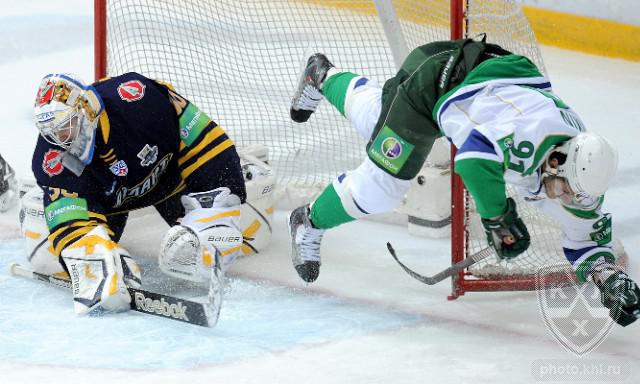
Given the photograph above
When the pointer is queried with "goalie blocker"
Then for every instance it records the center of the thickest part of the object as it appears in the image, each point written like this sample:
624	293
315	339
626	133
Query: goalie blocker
256	214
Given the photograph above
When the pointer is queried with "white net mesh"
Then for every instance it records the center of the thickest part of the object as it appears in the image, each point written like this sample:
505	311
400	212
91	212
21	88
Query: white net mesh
239	60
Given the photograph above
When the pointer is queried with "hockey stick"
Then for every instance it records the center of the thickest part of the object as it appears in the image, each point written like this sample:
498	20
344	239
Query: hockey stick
146	302
452	270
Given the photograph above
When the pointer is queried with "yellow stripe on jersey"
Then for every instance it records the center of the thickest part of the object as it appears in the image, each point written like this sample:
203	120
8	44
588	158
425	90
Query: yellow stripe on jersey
208	139
82	226
110	159
98	216
71	237
206	157
105	126
107	154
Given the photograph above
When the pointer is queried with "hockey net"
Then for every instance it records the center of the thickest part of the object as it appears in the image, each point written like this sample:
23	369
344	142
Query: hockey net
239	61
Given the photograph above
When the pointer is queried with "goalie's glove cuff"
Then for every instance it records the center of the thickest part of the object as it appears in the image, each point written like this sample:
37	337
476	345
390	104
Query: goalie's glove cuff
507	233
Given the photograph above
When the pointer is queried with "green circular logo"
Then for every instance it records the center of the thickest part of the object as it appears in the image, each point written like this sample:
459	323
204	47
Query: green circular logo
391	148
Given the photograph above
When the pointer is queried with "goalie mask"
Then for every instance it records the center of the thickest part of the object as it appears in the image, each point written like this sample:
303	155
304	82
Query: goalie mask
586	164
66	114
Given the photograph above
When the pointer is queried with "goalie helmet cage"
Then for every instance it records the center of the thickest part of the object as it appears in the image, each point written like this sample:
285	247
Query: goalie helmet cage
239	61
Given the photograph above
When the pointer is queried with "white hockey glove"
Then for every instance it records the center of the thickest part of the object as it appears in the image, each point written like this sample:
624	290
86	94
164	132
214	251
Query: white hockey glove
208	232
100	273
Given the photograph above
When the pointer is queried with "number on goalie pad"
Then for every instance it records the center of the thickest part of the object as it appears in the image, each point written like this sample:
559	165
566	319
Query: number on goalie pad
100	273
208	232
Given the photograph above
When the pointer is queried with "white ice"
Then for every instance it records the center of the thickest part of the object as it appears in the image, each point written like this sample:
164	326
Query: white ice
363	321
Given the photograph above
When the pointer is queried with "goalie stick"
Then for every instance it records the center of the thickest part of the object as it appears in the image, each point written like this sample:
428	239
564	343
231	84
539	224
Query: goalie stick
151	303
452	270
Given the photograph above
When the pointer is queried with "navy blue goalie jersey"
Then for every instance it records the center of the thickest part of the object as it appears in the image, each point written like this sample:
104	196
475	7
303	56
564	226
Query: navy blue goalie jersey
151	144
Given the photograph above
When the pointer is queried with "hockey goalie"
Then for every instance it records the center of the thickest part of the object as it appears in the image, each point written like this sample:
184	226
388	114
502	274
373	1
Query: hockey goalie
129	142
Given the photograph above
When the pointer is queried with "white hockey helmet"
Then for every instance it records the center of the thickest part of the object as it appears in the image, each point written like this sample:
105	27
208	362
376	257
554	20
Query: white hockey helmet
67	111
590	163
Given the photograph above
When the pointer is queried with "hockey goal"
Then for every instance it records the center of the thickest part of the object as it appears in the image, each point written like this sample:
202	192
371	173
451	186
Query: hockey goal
239	61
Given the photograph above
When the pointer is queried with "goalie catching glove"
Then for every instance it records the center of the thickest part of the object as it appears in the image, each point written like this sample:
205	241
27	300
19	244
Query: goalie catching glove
507	232
100	271
207	235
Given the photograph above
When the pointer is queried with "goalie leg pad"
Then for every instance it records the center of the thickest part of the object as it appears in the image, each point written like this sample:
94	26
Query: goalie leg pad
257	212
100	273
34	230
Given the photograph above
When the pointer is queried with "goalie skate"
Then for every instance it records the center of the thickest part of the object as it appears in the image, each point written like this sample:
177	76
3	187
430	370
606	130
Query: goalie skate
308	95
305	244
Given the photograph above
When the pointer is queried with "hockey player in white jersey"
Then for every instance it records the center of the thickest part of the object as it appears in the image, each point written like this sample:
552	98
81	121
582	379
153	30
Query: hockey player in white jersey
508	127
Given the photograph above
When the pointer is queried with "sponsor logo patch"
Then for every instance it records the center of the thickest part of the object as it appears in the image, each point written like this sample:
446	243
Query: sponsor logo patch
52	162
389	150
64	210
131	91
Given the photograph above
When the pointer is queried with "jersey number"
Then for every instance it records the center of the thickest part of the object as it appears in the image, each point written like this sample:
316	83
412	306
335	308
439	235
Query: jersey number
54	193
524	150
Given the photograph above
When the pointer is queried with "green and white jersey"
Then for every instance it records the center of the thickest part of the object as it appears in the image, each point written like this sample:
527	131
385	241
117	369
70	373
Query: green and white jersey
504	120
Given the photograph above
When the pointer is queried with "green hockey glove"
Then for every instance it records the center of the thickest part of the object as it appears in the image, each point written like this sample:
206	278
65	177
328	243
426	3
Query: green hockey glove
622	296
507	232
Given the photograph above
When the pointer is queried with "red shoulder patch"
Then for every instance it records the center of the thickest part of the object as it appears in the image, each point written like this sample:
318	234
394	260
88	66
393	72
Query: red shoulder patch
52	162
132	90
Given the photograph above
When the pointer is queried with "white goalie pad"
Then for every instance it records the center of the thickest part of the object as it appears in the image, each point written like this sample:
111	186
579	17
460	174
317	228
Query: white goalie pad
33	228
257	213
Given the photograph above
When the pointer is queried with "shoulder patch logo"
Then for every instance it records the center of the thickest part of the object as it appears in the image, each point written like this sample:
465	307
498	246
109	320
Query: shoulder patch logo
132	90
148	155
52	163
119	168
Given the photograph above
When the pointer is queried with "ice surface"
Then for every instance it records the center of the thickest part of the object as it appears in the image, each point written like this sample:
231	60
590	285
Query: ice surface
363	321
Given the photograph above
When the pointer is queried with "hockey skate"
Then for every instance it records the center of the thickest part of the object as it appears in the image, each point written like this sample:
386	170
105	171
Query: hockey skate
305	244
620	294
309	93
